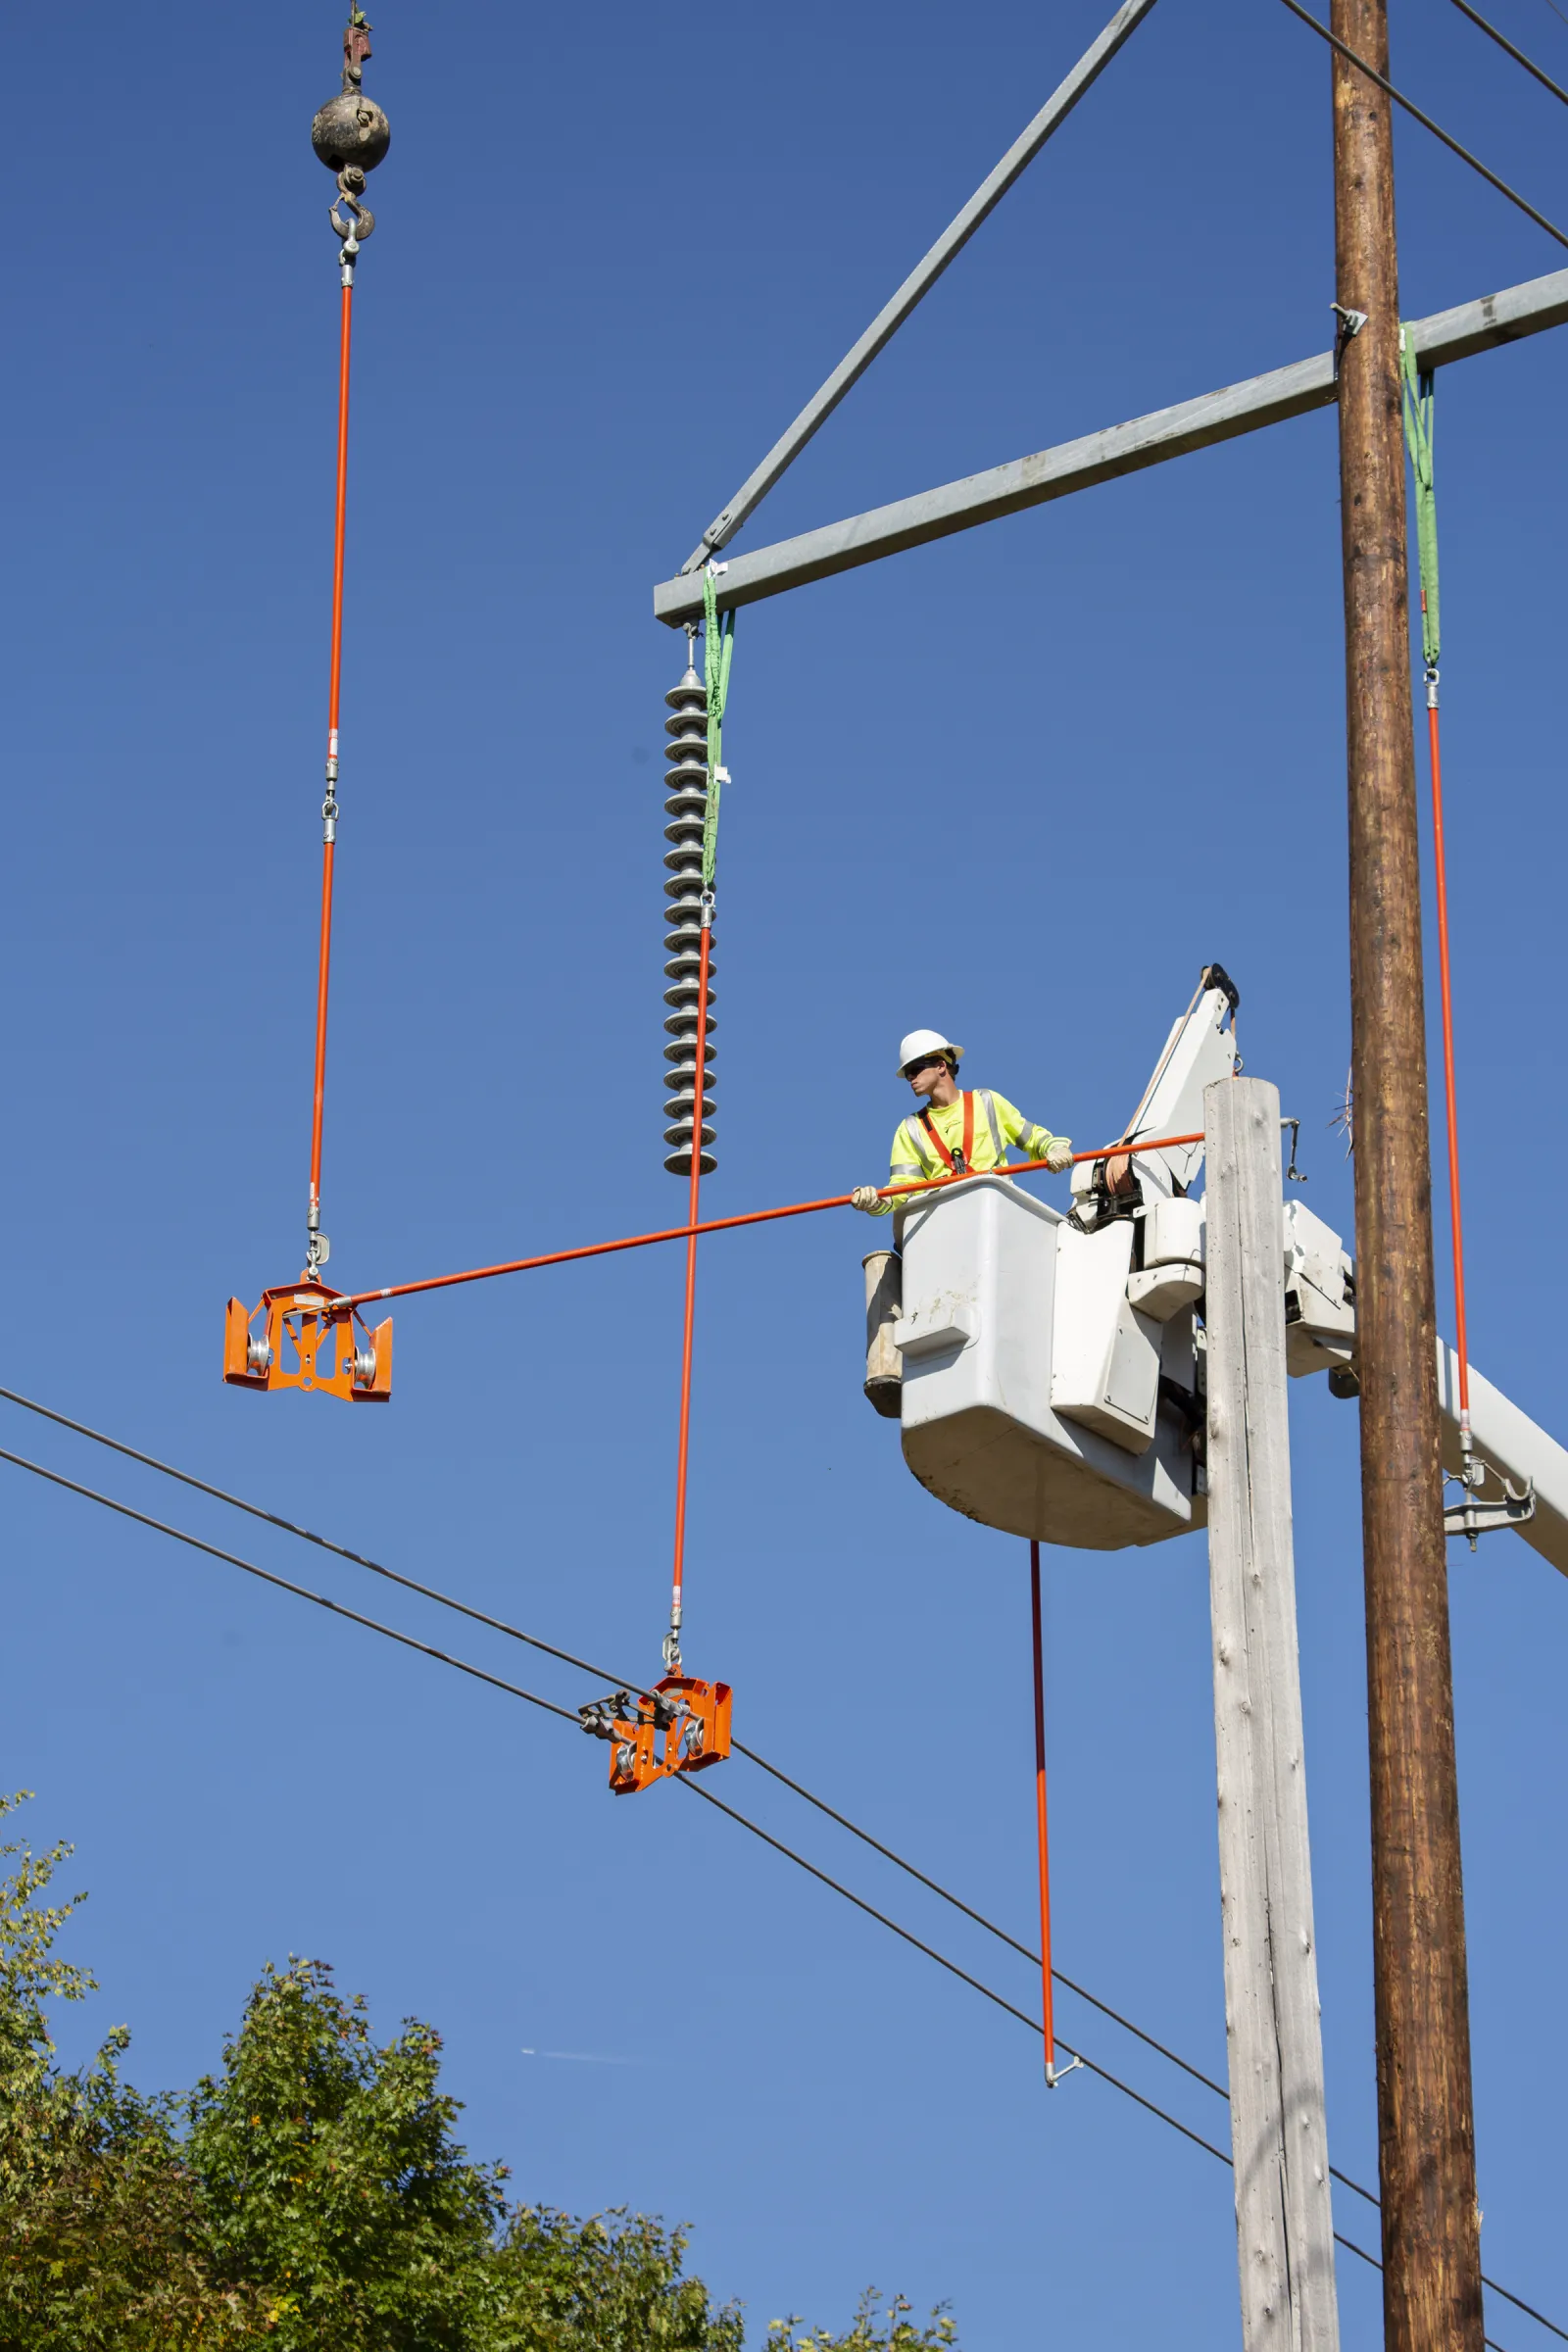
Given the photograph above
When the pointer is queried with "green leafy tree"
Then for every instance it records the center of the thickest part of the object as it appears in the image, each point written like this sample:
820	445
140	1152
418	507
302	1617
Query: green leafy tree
615	2283
328	2176
101	2243
309	2196
876	2328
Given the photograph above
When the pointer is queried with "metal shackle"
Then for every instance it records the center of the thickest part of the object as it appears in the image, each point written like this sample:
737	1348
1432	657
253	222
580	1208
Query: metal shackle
685	807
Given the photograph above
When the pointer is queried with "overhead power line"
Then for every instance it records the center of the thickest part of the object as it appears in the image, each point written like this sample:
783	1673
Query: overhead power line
1518	55
516	1690
1425	120
290	1527
285	1583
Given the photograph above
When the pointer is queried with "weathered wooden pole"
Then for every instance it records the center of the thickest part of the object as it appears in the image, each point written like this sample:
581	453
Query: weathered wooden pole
1279	2135
1425	2132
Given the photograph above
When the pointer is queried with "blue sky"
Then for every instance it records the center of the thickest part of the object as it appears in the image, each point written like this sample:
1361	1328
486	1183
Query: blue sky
1022	785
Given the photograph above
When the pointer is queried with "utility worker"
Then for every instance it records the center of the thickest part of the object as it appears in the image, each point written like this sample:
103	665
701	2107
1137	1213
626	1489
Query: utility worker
953	1133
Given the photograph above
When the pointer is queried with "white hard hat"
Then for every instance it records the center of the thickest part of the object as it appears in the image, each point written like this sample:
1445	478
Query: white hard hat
920	1042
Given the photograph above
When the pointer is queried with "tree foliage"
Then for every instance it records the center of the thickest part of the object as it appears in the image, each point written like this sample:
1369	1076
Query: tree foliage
309	2195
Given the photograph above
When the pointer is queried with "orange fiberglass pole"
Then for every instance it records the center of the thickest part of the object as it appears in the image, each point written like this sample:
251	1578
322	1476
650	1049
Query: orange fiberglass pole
677	1585
329	805
751	1216
1048	2022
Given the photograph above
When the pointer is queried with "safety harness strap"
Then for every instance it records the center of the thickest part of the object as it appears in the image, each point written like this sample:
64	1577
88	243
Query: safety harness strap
961	1166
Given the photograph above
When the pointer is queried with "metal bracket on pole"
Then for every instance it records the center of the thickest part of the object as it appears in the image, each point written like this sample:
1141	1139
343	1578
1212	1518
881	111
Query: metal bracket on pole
885	326
1477	1514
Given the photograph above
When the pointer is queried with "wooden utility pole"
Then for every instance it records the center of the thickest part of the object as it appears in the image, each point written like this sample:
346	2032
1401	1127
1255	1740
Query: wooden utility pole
1279	2135
1426	2132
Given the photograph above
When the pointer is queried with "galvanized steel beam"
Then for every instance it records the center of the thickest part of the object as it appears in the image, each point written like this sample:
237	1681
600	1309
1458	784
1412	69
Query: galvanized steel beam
954	238
1243	407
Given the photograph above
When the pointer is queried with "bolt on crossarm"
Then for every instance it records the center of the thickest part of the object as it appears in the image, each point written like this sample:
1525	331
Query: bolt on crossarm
1431	2237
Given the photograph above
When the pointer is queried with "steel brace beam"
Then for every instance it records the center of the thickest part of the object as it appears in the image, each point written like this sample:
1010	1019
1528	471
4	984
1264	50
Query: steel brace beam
1243	407
952	242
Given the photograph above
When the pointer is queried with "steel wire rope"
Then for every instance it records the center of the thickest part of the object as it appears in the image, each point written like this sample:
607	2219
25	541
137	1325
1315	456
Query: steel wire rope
568	1715
1518	55
1425	120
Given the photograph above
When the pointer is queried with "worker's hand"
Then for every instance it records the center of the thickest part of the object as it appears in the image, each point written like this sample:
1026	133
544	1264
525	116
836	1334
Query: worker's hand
1058	1154
865	1195
1119	1173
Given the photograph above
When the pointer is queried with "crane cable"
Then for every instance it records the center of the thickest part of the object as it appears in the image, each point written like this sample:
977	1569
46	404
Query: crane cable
1417	390
516	1690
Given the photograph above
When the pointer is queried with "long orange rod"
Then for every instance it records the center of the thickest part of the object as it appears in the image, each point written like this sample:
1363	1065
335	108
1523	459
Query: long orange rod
678	1582
1441	871
1047	2017
334	685
753	1216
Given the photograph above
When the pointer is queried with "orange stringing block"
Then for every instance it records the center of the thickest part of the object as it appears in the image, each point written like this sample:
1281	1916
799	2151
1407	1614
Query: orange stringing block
303	1344
682	1725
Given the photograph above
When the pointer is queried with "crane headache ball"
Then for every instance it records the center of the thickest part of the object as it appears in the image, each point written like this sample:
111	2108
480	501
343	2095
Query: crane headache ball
351	130
686	784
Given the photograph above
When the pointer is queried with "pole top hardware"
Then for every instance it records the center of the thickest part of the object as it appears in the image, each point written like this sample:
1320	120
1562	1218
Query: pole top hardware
1477	1512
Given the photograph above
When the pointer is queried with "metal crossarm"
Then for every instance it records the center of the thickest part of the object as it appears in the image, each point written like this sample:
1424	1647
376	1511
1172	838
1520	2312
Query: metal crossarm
885	326
1214	416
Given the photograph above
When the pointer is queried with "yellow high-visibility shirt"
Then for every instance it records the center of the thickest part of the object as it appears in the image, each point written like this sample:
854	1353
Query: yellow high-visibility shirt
998	1123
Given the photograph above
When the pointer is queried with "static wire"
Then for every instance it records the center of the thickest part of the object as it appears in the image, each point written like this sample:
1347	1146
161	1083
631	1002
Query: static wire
1425	120
1518	55
514	1689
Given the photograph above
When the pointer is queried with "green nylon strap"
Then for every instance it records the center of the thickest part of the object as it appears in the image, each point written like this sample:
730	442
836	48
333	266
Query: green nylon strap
1417	389
718	644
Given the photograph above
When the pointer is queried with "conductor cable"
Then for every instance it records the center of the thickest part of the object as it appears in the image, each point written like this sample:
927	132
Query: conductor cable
569	1715
1518	55
285	1583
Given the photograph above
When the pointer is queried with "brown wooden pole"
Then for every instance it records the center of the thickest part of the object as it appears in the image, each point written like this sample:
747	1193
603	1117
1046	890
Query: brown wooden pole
1430	2227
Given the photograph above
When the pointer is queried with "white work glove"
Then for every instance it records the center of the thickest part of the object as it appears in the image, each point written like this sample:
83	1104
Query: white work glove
1058	1154
864	1197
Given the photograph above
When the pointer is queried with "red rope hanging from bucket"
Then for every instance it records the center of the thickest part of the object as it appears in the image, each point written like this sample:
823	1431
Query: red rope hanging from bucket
1042	1834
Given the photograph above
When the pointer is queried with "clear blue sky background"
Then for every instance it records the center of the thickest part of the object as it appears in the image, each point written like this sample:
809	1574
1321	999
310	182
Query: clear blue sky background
1022	784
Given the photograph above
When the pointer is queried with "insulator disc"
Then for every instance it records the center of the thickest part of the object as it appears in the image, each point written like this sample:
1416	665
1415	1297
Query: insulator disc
683	1052
684	1025
689	685
683	1134
679	1109
680	1164
686	992
688	965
